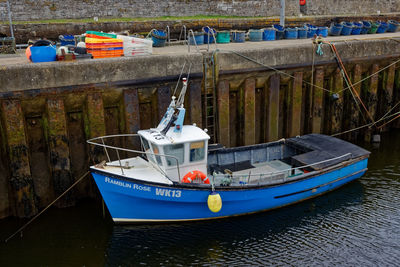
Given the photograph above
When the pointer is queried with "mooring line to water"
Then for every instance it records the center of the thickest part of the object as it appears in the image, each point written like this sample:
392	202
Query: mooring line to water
371	124
48	206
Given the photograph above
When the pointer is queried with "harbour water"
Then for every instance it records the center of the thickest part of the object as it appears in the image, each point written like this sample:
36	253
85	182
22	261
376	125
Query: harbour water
359	224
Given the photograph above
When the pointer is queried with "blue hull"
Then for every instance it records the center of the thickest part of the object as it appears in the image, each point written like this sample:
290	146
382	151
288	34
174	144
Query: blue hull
135	201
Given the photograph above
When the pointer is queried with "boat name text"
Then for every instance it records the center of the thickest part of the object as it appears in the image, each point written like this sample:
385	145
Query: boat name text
127	185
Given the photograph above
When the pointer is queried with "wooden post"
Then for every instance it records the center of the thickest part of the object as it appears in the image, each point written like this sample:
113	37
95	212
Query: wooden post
386	100
318	96
132	113
132	116
95	124
273	108
5	195
163	100
296	96
223	113
249	111
354	111
59	151
337	104
195	103
372	99
21	181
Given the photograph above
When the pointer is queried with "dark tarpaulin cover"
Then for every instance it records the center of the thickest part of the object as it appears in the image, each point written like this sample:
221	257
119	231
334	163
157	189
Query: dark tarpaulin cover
324	147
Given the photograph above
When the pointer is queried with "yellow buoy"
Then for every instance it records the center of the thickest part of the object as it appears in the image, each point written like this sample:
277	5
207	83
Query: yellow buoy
214	202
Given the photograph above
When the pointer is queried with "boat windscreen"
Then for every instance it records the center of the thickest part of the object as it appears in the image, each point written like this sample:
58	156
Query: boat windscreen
176	150
156	151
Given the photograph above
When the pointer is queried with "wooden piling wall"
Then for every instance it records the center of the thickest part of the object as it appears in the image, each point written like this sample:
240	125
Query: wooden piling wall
43	135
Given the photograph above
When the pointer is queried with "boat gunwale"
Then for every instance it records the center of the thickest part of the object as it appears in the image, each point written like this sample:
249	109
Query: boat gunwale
189	186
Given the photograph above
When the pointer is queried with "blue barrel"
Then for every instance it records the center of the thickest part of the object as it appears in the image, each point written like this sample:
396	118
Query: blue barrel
311	30
280	32
322	31
393	26
366	26
357	27
302	33
256	35
43	53
382	28
347	28
198	37
239	36
335	29
291	33
159	37
208	34
269	34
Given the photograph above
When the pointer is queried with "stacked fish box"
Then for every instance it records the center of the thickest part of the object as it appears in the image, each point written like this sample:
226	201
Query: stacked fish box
136	46
103	45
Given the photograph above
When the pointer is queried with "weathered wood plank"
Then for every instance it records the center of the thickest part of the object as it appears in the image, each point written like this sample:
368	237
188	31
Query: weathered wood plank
337	104
318	96
21	181
59	151
295	95
273	108
195	103
223	113
249	111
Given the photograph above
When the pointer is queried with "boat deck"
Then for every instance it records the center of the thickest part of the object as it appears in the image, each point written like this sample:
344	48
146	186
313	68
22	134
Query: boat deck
136	168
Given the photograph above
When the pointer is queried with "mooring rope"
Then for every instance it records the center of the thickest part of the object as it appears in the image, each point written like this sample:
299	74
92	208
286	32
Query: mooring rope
347	79
272	68
48	206
348	82
386	116
373	74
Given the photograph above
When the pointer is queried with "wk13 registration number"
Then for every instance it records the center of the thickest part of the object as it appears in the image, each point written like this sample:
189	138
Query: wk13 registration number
168	192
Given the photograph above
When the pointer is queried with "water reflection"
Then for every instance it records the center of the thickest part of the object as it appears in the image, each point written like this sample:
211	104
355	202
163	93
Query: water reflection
258	238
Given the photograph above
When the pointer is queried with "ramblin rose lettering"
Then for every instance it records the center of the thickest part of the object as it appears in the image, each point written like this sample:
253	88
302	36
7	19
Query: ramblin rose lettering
127	185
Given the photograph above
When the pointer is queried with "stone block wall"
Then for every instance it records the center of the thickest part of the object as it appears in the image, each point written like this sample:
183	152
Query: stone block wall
59	9
350	7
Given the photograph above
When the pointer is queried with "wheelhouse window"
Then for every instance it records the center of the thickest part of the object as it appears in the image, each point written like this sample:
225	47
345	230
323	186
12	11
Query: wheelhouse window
177	151
156	151
146	148
197	151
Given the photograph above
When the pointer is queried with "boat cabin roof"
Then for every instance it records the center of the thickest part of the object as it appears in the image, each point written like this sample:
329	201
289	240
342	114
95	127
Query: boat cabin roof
189	133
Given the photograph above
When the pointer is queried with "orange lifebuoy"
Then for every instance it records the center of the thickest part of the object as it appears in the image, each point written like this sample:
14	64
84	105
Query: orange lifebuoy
191	176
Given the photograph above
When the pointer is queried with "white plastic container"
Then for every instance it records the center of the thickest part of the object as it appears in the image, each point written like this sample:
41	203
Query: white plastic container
136	46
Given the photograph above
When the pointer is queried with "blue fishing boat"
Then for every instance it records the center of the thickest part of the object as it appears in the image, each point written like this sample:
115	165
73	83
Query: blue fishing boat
178	176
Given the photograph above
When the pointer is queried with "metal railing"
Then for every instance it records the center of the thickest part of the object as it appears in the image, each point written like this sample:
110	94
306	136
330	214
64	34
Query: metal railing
117	149
238	178
183	32
210	32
